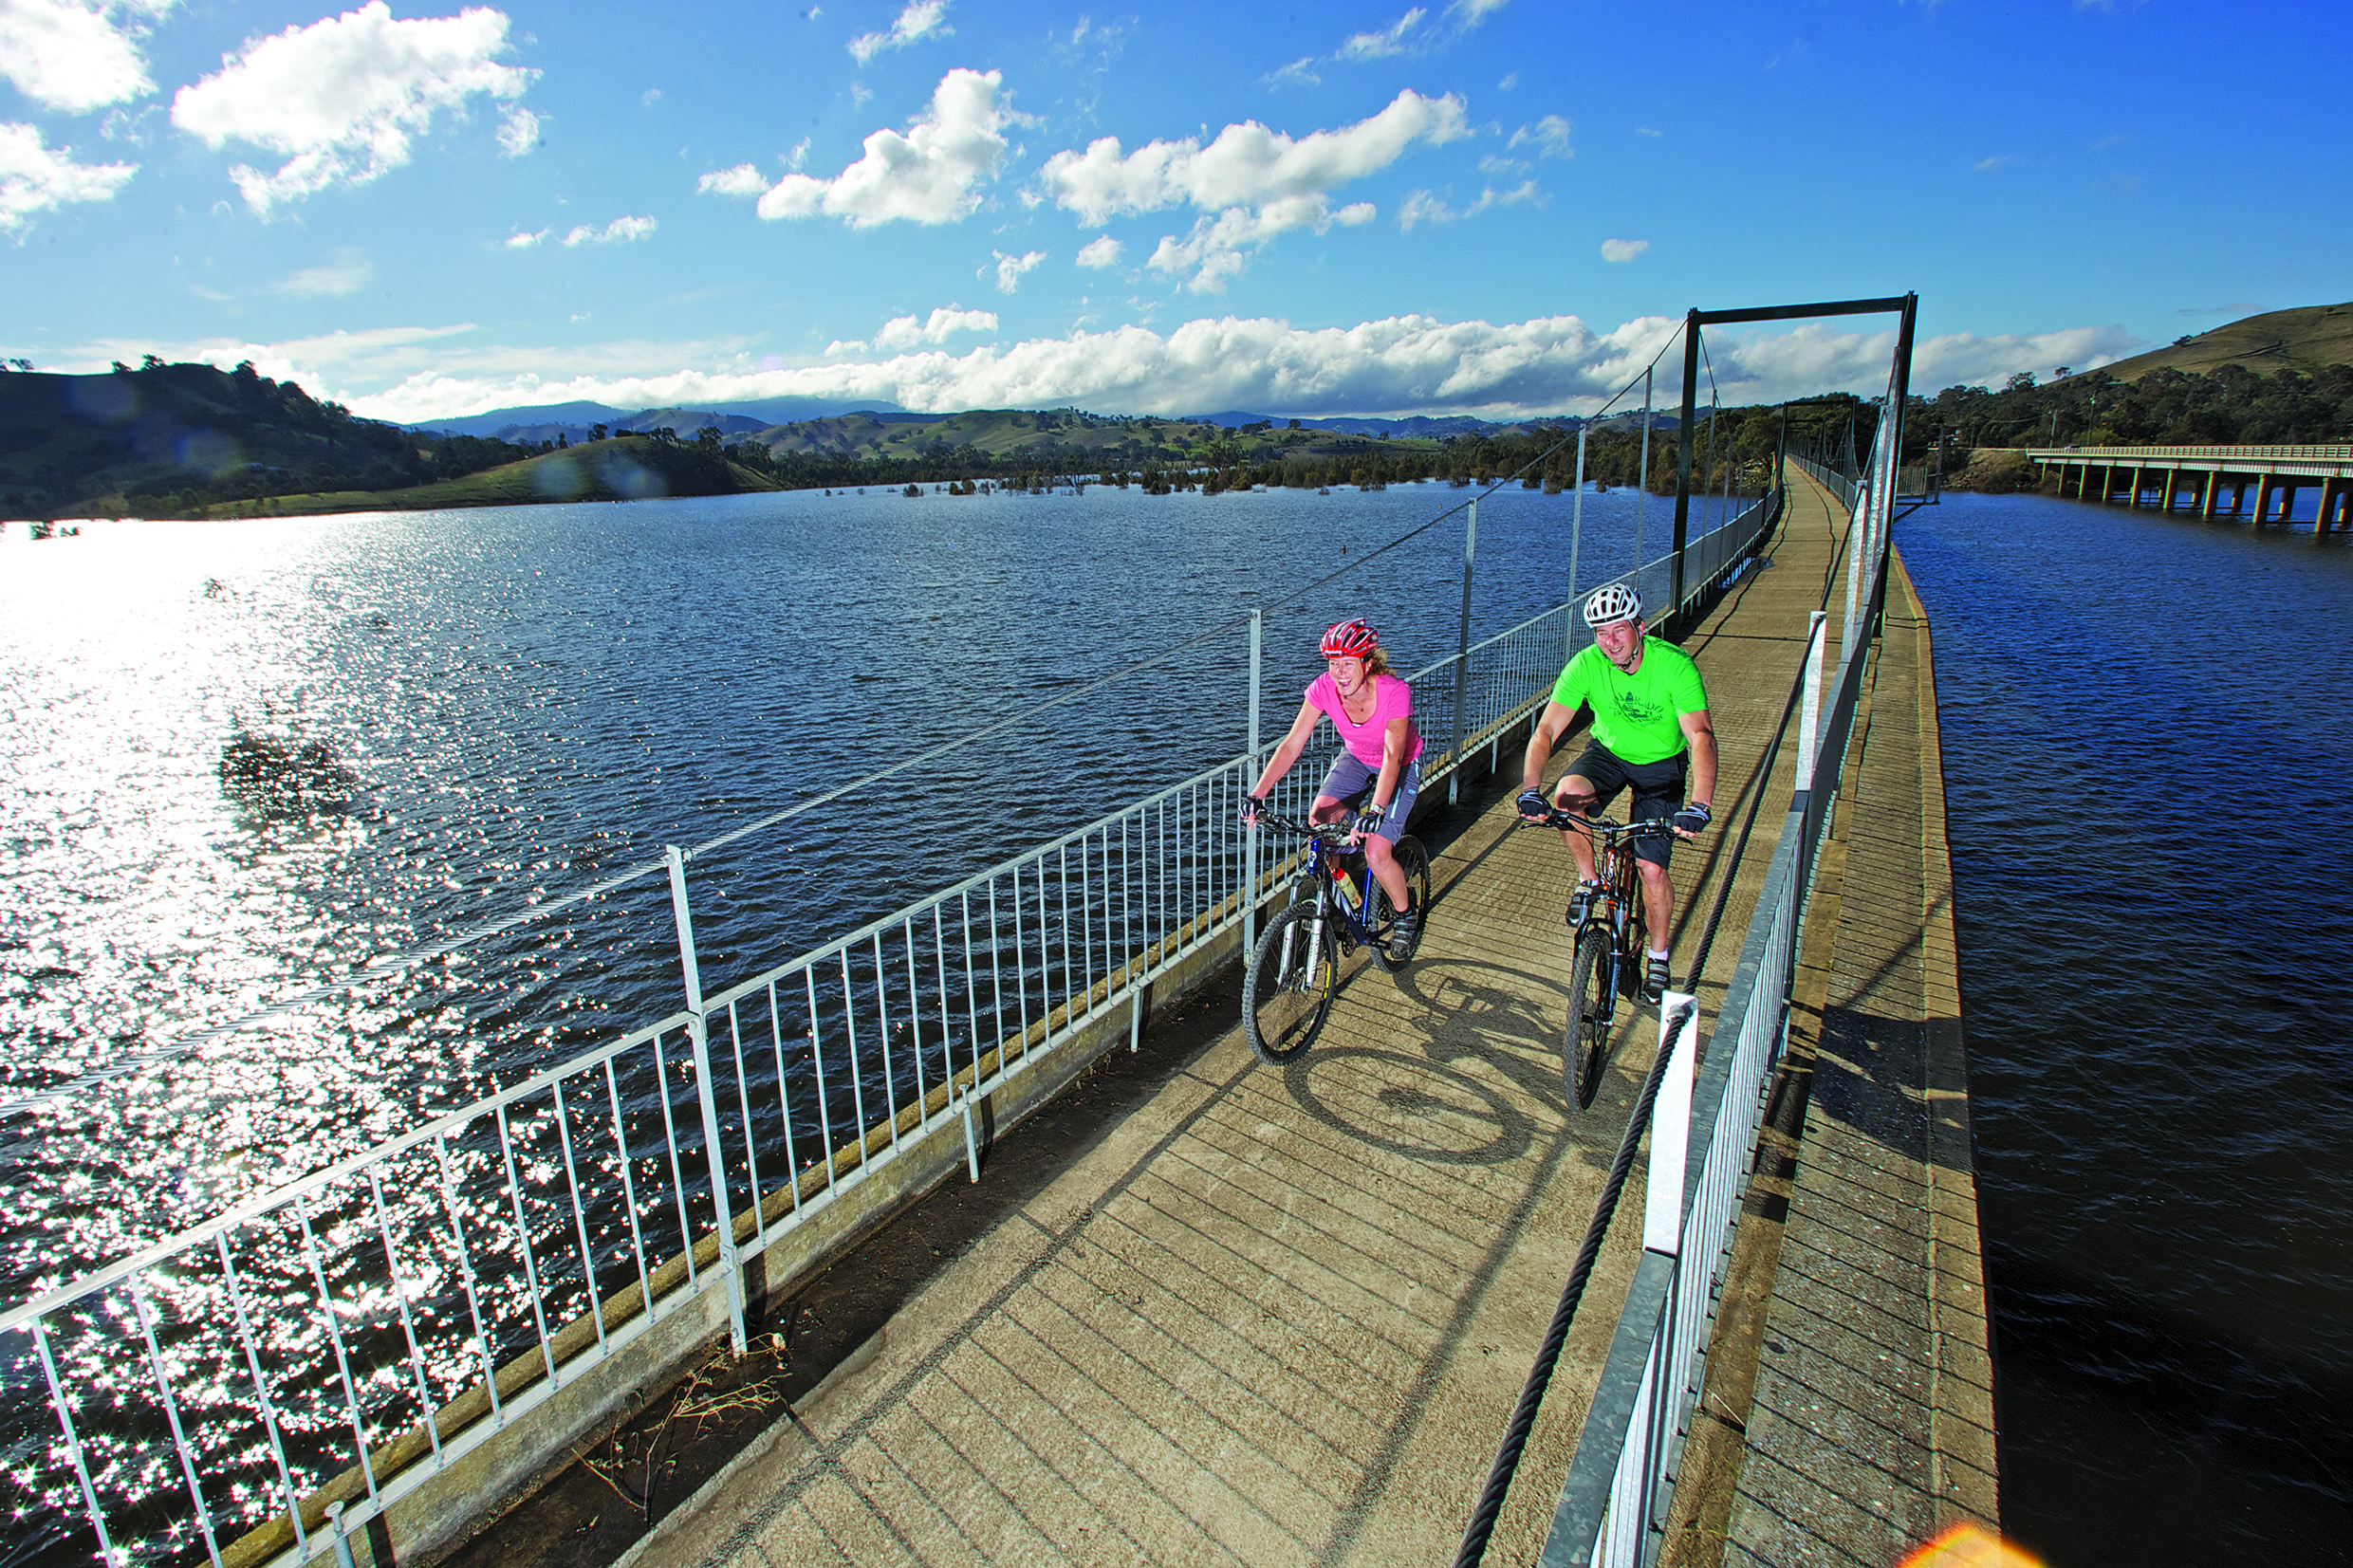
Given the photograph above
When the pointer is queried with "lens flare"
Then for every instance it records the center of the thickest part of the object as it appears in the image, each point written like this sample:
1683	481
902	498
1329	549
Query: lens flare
1970	1546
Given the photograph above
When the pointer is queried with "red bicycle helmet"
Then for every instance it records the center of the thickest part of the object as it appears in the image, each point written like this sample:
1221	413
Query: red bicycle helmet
1350	639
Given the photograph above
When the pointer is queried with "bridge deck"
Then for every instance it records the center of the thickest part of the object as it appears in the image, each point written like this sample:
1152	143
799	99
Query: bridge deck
1281	1316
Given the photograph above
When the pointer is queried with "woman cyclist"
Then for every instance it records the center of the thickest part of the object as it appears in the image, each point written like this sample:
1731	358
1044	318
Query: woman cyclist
1381	757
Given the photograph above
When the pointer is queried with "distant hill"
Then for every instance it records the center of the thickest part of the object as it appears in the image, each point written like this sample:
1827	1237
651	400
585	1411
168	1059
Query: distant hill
2306	338
545	421
68	441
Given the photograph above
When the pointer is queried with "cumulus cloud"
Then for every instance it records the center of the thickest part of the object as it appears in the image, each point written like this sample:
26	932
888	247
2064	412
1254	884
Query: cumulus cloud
1247	164
618	232
1258	182
1622	250
921	19
37	178
1402	364
1389	41
925	176
346	273
909	332
343	98
523	241
1548	136
1100	253
1009	269
75	55
745	179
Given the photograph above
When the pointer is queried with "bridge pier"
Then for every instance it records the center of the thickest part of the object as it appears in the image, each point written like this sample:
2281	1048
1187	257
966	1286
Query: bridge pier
2276	475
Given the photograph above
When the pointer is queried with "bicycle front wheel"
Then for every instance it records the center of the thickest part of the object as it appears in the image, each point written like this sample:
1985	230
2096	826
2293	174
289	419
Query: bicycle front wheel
1288	990
1591	1008
1415	862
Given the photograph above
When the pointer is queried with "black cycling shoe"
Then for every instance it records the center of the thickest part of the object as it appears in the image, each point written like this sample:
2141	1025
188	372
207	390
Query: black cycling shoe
1655	979
1401	935
1581	902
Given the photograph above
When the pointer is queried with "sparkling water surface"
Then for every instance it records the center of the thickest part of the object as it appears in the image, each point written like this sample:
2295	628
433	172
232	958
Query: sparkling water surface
247	758
2148	725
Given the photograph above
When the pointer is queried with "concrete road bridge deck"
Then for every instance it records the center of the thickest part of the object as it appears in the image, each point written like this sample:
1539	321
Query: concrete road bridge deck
2216	481
1281	1316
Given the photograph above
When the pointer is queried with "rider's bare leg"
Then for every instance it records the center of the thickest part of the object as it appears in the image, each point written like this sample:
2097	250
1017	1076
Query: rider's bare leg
1658	903
1575	796
1386	870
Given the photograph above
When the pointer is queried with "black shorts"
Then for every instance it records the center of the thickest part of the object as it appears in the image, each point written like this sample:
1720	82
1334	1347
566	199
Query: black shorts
1658	791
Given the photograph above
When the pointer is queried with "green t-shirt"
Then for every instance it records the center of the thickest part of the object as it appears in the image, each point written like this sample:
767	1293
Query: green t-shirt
1635	716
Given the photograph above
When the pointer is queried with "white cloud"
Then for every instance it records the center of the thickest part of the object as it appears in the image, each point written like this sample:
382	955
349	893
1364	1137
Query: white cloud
1373	46
346	273
1217	248
1402	364
74	54
1548	136
521	241
910	332
518	132
921	19
1009	269
647	99
1100	253
924	176
1622	250
1247	164
1511	80
343	97
745	179
35	178
1421	207
1470	13
1299	73
1258	182
799	154
618	232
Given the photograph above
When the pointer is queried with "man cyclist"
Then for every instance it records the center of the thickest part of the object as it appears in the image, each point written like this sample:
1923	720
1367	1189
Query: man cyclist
1651	733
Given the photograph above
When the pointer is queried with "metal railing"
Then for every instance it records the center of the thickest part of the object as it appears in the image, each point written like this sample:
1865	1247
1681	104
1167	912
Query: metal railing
1613	1502
2098	455
261	1386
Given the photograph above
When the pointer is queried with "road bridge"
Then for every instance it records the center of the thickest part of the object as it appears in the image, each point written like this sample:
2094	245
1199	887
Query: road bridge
2202	477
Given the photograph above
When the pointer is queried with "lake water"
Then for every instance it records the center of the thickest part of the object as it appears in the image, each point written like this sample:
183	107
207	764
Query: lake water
2148	723
247	758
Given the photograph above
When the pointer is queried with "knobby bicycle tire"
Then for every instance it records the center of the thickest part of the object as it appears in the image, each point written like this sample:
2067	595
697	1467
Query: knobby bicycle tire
1585	1045
1415	862
1287	992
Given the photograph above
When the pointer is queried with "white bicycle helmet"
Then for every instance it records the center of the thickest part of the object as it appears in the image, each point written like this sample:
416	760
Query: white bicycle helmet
1614	602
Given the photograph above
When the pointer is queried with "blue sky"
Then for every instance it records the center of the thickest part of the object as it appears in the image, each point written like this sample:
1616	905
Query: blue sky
1489	206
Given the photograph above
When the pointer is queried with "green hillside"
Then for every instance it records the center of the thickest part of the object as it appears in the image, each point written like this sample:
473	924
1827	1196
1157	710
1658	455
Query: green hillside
2307	338
629	468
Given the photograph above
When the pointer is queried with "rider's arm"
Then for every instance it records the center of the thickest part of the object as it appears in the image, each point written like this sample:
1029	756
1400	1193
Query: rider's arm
1701	734
1296	742
1392	762
1558	716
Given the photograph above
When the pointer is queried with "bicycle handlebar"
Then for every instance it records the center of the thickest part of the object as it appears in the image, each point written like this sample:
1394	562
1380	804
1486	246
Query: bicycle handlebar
1329	832
1649	827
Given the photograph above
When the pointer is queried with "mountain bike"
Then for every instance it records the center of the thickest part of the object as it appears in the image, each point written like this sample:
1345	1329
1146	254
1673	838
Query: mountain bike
1337	906
1609	947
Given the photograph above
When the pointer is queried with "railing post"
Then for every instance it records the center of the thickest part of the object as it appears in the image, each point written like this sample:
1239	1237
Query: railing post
1462	656
699	1032
1858	504
1809	716
1576	538
1249	836
1641	486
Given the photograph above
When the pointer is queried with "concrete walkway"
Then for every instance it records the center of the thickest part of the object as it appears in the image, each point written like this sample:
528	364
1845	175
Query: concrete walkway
1281	1316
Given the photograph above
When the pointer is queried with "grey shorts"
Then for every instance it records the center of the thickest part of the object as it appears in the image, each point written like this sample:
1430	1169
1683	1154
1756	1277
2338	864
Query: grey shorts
1352	782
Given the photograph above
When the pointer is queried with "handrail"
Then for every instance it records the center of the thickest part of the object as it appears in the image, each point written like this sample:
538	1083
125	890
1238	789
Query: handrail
2280	453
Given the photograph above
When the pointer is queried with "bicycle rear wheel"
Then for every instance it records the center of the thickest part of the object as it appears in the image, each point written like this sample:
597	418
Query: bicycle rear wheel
1415	862
1591	1008
1288	990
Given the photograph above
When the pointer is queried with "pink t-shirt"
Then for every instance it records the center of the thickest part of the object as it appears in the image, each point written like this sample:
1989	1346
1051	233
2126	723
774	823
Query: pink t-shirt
1391	699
